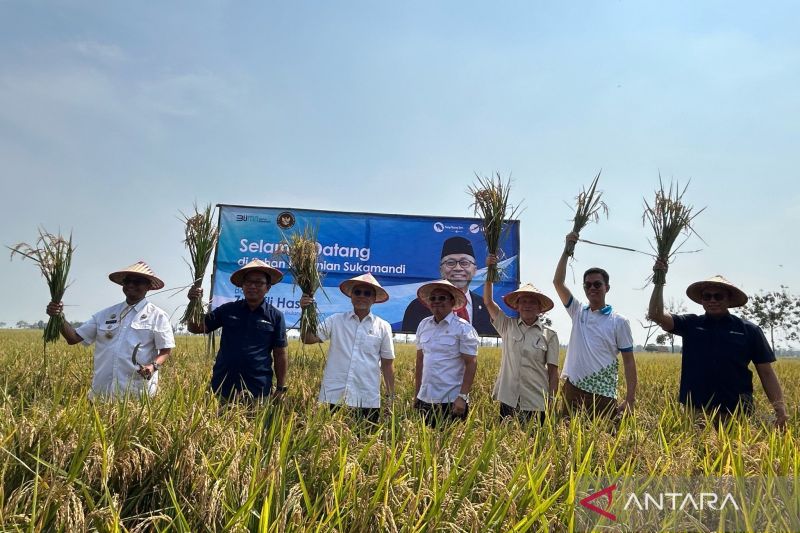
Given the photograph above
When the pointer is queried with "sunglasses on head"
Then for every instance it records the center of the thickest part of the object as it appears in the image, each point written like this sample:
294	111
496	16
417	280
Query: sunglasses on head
716	296
438	298
135	281
589	284
362	292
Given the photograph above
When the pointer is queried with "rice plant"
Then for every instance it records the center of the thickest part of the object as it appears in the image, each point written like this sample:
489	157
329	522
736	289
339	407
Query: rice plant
490	203
669	217
53	255
300	252
200	238
589	205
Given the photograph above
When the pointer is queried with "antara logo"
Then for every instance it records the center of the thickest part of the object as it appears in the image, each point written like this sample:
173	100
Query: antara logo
607	492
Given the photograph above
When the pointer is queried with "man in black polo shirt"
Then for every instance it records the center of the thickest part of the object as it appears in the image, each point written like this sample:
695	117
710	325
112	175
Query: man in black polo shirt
717	350
253	336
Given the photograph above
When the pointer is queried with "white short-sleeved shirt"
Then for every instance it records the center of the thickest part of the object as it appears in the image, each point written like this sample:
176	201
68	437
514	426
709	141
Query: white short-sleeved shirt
442	367
353	370
116	331
596	339
523	381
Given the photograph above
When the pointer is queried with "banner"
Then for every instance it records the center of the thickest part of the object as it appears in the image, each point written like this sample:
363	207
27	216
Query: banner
402	252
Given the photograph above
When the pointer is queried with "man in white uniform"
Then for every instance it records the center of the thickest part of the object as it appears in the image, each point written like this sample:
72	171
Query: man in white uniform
132	329
447	350
361	350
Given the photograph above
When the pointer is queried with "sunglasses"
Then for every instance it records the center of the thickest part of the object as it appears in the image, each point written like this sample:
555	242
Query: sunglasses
595	284
439	298
254	283
135	281
716	296
363	292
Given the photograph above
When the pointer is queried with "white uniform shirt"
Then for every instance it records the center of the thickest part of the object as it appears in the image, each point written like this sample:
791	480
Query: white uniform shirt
442	367
596	339
353	370
115	338
523	381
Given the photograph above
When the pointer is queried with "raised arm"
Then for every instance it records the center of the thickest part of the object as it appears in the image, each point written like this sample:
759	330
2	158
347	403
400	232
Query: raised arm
655	311
560	275
488	290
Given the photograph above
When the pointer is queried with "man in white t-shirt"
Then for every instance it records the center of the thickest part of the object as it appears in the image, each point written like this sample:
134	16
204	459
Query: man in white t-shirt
598	334
133	339
361	350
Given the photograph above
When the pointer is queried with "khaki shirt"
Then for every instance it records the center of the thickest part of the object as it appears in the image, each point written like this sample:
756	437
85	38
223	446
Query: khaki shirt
527	350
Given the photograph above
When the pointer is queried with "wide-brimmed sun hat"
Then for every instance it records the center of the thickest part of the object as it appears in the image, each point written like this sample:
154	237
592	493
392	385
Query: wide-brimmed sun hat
256	265
140	269
364	279
425	291
512	297
695	291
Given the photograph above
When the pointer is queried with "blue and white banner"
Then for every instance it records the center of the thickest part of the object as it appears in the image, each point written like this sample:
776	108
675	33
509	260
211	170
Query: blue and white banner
403	252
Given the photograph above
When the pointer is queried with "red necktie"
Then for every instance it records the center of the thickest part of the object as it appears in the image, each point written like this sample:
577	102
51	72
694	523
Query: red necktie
462	312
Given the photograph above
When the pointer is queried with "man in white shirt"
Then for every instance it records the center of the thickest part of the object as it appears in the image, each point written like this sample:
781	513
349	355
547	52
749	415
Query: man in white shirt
447	350
361	350
133	339
591	368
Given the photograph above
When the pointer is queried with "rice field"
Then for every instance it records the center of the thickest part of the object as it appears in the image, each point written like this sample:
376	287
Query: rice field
179	462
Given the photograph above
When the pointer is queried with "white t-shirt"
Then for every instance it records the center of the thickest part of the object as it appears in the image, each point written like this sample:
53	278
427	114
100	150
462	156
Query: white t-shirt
353	370
442	367
116	331
596	339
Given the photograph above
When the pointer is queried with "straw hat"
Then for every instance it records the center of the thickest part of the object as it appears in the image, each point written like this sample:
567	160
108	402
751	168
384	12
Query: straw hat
365	279
695	291
140	269
424	291
256	265
511	298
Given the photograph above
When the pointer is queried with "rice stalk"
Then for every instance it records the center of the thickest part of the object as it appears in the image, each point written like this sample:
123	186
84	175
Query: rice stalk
201	234
490	203
53	255
670	218
300	252
588	207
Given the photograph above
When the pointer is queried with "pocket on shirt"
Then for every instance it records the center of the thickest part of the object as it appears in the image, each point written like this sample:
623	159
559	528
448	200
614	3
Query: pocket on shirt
372	344
142	332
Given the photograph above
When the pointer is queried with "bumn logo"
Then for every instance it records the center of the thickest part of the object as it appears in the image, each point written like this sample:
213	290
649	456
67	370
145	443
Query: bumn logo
607	492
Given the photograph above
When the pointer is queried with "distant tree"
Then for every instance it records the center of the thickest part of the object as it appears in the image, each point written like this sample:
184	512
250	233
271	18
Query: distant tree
22	324
777	312
674	307
2	324
39	325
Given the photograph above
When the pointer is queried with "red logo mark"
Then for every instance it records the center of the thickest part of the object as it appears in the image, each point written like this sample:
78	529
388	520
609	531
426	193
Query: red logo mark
608	492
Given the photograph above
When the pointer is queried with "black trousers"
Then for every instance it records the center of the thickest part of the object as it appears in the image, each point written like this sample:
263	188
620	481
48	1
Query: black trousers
371	414
506	411
438	413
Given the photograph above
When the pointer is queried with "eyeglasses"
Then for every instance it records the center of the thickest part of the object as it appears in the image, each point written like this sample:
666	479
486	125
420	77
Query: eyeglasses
254	283
135	281
363	292
463	263
439	298
589	284
716	296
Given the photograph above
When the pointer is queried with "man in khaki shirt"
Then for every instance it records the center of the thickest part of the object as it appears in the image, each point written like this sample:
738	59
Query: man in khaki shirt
528	376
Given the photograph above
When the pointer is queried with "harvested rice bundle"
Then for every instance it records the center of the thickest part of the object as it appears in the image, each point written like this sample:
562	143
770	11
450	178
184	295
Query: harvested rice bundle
300	252
53	256
201	234
490	203
588	206
670	218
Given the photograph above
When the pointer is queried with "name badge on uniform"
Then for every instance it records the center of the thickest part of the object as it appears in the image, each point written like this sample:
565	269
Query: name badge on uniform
111	322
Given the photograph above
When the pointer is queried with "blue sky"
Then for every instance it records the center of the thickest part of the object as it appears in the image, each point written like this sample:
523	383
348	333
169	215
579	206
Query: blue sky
116	116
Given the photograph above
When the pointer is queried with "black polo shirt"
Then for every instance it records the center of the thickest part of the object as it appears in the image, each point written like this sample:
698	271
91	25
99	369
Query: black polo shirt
244	360
716	356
